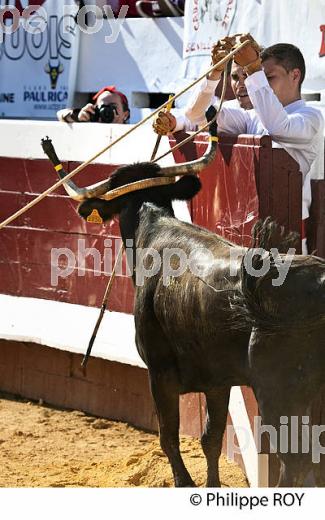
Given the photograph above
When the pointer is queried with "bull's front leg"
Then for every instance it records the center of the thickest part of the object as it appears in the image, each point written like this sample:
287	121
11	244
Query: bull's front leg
211	440
166	396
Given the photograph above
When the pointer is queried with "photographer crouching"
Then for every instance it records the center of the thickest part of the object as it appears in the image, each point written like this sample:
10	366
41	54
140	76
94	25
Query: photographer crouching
110	106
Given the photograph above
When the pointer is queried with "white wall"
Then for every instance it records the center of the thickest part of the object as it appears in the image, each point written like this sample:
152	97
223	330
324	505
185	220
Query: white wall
146	57
79	142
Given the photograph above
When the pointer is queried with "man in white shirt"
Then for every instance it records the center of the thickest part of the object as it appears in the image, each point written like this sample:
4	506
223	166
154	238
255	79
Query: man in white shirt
273	86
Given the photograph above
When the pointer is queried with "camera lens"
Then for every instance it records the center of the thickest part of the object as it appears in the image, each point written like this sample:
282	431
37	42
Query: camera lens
107	112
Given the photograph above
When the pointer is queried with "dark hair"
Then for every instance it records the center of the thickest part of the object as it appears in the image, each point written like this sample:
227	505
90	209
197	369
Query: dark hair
126	109
112	89
287	55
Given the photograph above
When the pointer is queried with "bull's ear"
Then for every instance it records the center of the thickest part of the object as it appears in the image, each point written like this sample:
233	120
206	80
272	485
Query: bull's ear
186	188
98	210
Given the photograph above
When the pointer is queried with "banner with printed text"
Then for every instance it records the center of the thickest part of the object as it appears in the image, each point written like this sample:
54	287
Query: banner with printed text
300	22
205	22
38	56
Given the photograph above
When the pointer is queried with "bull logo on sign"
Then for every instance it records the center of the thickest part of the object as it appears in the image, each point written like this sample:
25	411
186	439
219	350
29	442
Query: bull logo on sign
53	71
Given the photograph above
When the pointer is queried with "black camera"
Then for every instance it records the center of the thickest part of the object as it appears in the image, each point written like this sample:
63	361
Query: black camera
104	113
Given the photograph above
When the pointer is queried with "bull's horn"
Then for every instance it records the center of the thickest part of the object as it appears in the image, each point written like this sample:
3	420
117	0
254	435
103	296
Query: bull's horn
95	190
136	186
196	166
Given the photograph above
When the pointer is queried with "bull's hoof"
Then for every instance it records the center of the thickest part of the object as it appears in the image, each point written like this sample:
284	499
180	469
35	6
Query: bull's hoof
215	483
187	483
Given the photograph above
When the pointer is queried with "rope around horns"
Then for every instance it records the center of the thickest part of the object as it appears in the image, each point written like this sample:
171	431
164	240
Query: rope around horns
86	163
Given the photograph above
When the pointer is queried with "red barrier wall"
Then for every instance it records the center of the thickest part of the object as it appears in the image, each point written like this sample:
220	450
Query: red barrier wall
246	181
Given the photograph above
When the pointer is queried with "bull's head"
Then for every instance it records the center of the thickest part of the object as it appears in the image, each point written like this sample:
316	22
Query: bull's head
163	175
53	71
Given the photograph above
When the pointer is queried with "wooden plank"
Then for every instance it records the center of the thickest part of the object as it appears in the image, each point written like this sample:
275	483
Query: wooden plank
108	389
57	213
25	268
192	414
27	175
316	230
280	189
295	205
228	202
32	280
44	247
120	392
36	175
263	175
46	360
92	173
187	152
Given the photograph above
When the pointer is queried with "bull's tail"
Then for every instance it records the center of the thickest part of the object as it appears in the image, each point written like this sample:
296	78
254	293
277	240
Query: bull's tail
255	305
267	234
274	309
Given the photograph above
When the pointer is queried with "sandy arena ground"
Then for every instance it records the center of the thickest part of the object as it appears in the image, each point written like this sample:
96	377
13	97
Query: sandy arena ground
47	447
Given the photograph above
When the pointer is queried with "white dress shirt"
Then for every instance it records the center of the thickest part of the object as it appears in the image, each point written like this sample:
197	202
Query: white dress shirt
297	128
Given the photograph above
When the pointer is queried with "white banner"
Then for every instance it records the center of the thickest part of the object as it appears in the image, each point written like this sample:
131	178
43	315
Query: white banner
205	22
300	22
38	45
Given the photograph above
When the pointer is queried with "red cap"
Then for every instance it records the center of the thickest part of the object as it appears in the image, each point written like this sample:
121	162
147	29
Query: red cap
112	89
